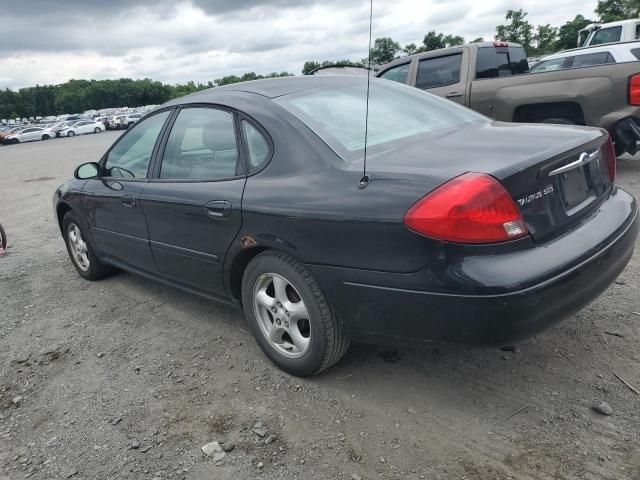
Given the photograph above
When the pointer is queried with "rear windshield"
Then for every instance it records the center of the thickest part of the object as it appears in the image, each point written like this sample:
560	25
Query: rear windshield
501	62
397	114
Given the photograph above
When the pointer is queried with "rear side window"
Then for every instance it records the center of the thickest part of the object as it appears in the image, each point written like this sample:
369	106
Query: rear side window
501	62
202	145
599	58
549	65
607	35
397	74
636	52
257	145
439	71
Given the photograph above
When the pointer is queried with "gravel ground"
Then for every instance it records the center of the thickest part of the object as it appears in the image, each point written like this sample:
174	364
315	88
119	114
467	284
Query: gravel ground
125	378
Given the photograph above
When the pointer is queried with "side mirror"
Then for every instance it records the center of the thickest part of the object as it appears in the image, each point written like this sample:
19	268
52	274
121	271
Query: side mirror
87	171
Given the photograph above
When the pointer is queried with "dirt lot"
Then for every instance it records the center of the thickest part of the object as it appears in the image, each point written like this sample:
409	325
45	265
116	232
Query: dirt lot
126	378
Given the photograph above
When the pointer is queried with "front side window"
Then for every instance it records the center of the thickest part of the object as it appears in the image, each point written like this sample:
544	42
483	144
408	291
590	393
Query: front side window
599	58
202	145
607	35
438	72
397	74
130	157
398	114
257	145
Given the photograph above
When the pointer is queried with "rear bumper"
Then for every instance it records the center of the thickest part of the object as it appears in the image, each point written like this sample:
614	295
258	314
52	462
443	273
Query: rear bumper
522	293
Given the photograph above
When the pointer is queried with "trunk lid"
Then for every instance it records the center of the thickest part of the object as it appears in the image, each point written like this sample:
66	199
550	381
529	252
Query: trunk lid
557	175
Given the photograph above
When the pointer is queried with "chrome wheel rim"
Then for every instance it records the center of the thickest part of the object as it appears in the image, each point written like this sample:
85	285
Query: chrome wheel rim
282	315
78	247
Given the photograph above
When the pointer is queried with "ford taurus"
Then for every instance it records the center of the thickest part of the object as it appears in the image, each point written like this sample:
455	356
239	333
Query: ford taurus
459	229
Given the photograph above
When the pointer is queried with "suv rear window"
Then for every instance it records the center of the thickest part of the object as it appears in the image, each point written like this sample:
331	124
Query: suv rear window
501	62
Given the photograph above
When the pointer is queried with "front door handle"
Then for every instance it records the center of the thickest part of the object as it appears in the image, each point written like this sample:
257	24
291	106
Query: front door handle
128	201
218	209
454	94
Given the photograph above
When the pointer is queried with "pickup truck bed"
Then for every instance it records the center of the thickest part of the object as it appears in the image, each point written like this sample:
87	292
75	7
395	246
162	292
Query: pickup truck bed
596	96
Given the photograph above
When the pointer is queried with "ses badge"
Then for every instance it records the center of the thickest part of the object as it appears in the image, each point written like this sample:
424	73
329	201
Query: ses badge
535	196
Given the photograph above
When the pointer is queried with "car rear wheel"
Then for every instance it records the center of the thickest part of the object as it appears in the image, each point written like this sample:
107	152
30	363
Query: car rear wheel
71	133
289	315
81	251
97	130
46	137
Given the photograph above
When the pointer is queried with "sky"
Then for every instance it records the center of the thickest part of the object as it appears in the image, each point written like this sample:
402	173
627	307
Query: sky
175	41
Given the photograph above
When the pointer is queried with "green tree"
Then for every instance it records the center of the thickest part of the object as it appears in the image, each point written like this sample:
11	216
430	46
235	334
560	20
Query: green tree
477	40
410	49
453	40
518	29
384	51
545	39
614	10
433	41
568	33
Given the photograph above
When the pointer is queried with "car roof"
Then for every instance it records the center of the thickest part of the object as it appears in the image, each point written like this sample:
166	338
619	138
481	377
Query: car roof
273	87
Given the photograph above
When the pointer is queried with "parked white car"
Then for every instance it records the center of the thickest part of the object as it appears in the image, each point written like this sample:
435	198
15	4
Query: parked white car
589	56
29	134
82	127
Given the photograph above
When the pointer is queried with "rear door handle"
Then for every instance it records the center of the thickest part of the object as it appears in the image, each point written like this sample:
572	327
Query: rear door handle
218	209
454	94
128	201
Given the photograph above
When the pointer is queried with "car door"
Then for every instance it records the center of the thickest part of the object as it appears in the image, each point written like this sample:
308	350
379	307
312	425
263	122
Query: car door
112	201
30	134
444	75
193	203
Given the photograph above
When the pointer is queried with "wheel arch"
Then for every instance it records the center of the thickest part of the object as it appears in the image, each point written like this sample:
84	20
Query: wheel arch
538	112
61	210
238	266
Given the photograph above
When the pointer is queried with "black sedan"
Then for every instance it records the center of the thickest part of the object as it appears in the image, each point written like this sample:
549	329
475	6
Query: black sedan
460	230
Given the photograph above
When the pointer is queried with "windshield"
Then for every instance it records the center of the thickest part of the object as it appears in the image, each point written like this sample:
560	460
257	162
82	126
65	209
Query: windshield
397	113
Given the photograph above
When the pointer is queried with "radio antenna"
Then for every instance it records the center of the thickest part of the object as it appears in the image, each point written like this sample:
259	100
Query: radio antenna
364	181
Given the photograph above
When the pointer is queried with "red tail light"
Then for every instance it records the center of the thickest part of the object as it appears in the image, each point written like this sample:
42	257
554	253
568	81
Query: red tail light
634	90
471	208
609	153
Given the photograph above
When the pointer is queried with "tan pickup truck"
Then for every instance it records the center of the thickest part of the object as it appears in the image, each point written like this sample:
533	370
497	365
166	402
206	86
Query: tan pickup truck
494	79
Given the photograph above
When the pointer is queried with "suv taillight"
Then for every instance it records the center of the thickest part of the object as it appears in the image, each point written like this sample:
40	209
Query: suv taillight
471	208
634	90
609	153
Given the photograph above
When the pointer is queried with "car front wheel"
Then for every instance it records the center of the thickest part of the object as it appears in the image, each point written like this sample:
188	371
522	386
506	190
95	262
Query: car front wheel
97	130
71	133
289	315
80	250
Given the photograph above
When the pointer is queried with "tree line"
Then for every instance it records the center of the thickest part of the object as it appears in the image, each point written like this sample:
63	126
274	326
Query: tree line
77	96
536	39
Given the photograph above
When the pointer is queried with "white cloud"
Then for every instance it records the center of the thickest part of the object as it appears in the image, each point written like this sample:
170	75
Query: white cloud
182	42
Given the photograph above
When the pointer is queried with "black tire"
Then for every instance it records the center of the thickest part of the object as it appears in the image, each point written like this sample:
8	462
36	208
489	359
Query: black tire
3	238
14	141
328	343
71	133
558	121
96	270
97	130
46	137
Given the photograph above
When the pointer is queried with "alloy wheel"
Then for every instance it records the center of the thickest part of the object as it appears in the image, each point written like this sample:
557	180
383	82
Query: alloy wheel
78	247
282	315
